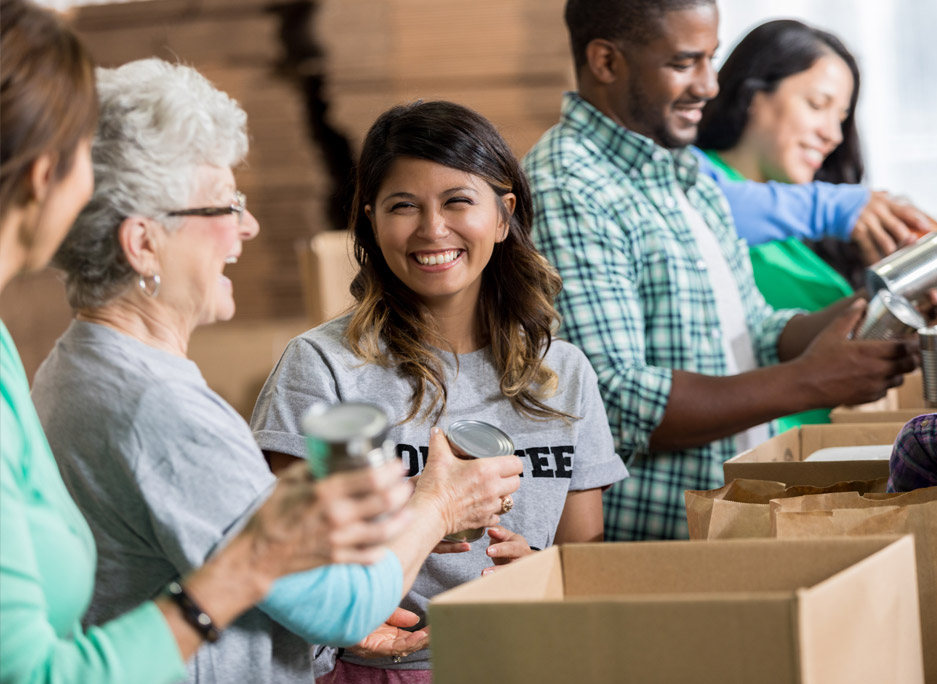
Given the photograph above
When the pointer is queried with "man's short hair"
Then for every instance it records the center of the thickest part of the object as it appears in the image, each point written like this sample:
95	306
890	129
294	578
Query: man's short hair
629	22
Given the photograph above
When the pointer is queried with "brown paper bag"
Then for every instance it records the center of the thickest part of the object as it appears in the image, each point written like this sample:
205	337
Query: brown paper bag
851	514
741	508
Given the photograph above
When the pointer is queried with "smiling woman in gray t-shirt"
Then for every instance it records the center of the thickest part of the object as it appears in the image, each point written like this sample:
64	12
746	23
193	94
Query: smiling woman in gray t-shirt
453	320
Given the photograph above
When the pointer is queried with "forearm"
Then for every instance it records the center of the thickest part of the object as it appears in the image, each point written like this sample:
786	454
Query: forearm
582	518
419	538
703	408
801	330
226	586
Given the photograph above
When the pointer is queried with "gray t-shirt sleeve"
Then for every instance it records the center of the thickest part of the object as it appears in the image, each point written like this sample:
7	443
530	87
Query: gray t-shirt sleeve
597	464
194	450
301	378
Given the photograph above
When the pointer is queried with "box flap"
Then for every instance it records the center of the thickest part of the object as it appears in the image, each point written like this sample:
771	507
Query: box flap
816	437
718	567
535	578
871	608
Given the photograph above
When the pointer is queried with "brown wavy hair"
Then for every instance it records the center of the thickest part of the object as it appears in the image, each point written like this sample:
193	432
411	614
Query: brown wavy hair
392	327
48	102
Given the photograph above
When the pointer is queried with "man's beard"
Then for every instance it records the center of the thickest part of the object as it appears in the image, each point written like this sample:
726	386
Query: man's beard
652	122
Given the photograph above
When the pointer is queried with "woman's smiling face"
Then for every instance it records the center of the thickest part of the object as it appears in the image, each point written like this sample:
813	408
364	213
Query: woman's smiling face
796	127
437	227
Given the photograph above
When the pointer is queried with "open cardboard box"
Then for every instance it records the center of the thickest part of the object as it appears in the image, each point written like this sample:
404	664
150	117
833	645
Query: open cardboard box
827	611
781	458
899	405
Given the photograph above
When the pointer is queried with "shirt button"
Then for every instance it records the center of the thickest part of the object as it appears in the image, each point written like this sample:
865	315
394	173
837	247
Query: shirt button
717	333
700	264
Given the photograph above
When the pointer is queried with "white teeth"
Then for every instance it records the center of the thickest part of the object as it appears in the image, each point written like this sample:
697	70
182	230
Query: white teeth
814	155
231	260
436	259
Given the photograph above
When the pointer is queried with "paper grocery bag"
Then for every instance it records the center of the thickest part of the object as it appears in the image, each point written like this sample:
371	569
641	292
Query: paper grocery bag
852	514
741	508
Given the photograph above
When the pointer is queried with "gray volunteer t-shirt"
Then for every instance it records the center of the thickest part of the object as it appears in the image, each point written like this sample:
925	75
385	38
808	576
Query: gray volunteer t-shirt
162	468
558	456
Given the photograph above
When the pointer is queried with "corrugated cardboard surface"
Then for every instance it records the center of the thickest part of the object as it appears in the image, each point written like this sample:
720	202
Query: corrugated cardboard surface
899	405
781	458
727	612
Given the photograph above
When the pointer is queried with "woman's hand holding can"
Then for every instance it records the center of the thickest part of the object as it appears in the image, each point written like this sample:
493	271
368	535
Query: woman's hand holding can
466	493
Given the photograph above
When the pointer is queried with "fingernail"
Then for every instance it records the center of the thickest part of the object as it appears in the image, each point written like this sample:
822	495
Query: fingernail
491	551
434	430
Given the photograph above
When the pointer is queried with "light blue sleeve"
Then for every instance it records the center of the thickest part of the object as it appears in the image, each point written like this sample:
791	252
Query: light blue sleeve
337	605
778	211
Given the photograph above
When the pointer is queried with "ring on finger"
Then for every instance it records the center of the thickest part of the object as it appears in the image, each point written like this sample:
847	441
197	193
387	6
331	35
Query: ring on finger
507	503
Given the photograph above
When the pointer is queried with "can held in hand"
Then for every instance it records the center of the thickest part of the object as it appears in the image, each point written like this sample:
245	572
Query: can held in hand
889	317
909	272
476	439
346	436
928	337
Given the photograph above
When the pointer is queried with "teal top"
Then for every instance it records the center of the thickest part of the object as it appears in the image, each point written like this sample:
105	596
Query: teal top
790	275
47	563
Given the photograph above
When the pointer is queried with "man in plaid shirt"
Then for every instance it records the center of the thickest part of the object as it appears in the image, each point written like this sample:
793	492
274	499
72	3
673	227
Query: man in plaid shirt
658	290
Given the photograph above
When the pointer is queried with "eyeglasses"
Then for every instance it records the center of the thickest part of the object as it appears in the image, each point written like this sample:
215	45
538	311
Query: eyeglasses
237	207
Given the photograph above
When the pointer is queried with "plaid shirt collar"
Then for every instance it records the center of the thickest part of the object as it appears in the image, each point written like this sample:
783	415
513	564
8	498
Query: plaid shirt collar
633	153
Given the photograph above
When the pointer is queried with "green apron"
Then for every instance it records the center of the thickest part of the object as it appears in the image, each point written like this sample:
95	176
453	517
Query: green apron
791	276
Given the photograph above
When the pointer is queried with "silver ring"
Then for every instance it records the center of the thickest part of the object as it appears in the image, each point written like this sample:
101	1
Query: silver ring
396	659
507	503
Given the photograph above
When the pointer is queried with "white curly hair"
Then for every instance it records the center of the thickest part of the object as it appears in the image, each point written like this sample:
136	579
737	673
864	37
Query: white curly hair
159	122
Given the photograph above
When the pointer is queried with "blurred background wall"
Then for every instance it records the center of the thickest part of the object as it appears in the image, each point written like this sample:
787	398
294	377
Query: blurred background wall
314	74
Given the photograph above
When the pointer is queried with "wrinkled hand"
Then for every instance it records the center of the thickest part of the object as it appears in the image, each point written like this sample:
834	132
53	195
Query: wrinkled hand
843	371
390	640
466	493
888	223
505	547
306	523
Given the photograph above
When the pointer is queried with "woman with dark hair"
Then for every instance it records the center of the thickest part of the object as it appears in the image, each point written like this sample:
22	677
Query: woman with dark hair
453	320
786	112
743	124
48	112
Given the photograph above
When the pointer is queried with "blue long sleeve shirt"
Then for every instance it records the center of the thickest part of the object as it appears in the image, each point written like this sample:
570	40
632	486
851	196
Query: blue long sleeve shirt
778	211
337	605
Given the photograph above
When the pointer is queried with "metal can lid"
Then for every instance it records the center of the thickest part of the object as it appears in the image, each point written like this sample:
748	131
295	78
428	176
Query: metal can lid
901	309
479	439
344	421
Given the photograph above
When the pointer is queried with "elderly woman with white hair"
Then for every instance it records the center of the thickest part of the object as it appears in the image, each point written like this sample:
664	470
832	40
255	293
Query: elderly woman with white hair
162	468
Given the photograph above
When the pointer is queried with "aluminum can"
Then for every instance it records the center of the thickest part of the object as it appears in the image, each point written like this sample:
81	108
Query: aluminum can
346	436
909	272
889	317
928	337
476	439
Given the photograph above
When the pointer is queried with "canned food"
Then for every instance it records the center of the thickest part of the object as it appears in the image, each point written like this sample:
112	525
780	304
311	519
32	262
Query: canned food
476	439
888	317
346	436
928	337
909	272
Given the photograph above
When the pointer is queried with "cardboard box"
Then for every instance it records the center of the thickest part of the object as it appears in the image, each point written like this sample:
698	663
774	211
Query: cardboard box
899	405
830	611
781	458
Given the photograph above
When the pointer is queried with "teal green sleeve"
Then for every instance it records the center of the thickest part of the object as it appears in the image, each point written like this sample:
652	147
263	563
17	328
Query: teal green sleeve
137	647
337	605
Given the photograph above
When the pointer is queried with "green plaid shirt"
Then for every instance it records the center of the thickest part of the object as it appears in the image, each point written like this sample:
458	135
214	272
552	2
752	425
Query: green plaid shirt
637	297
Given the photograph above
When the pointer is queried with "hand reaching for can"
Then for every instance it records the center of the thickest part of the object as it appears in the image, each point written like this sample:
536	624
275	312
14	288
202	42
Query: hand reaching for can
505	547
